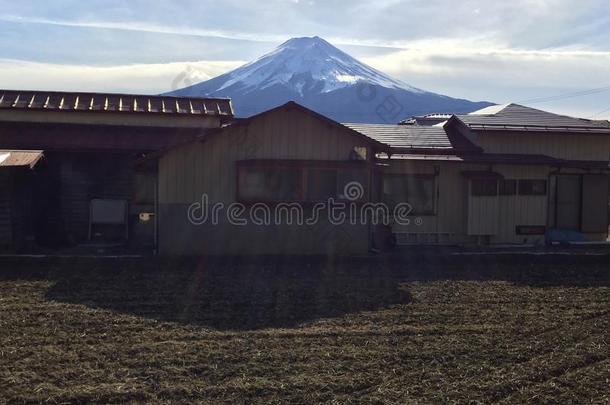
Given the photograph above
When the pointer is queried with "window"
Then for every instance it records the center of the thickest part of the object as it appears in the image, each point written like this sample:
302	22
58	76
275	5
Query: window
347	176
321	184
532	187
417	191
296	181
484	187
261	184
508	187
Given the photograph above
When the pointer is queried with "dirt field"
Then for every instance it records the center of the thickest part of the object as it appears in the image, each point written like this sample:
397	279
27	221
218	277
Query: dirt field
86	332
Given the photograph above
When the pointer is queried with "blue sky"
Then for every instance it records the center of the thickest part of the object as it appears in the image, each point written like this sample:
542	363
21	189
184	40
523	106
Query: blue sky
481	50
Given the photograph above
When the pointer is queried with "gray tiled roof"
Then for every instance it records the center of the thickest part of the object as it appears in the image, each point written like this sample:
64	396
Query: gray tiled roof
109	102
604	123
405	136
517	117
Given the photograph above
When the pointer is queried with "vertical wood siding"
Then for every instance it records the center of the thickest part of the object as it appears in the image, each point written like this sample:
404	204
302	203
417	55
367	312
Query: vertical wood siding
483	214
6	223
562	146
518	210
188	171
83	177
16	209
449	223
459	217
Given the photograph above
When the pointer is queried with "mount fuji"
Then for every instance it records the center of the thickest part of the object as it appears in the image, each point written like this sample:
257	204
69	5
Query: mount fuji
319	76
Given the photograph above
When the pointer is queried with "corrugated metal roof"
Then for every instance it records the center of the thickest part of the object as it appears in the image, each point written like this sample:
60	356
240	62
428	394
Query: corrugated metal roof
405	136
109	102
12	158
513	117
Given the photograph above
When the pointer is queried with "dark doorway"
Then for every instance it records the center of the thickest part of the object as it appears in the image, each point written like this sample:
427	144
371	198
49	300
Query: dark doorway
67	182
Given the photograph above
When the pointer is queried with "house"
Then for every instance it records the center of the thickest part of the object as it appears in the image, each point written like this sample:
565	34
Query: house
287	155
503	175
184	176
90	186
537	177
564	189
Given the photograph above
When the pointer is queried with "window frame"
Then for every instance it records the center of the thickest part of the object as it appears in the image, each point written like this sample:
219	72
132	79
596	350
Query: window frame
304	167
503	192
433	177
529	194
484	179
307	177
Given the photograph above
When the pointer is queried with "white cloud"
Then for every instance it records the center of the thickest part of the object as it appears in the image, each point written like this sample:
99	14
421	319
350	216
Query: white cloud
477	49
142	78
143	27
479	71
457	68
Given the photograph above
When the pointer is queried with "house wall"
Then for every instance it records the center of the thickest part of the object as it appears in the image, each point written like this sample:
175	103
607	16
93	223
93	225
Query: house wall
462	219
108	118
187	172
521	210
208	167
594	194
66	182
448	225
16	208
6	223
559	145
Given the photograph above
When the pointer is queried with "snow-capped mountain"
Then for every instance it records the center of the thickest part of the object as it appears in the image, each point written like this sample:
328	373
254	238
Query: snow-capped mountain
316	74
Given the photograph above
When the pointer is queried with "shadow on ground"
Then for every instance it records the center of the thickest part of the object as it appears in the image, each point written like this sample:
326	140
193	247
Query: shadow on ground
252	296
231	298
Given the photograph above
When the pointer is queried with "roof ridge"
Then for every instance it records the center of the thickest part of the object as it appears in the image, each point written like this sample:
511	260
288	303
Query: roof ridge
513	116
43	100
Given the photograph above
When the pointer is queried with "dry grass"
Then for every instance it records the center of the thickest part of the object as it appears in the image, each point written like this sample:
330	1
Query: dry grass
224	334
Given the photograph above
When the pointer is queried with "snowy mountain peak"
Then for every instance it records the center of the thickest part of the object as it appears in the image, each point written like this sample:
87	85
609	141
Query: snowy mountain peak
308	65
319	76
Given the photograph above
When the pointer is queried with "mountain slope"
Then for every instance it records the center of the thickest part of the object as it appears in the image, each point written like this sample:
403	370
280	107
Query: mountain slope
319	76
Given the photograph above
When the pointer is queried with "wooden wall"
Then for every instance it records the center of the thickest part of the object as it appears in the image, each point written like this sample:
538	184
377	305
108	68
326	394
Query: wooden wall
107	118
6	222
518	210
461	218
16	208
448	225
68	181
186	172
563	146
